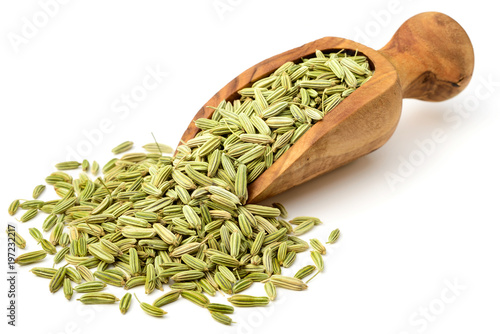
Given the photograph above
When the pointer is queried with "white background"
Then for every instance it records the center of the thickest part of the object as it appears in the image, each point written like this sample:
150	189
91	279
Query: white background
403	245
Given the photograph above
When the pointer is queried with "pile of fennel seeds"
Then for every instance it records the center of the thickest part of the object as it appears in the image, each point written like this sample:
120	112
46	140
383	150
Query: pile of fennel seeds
154	219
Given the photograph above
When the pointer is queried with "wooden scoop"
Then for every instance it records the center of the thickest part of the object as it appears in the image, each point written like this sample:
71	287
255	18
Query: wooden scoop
429	58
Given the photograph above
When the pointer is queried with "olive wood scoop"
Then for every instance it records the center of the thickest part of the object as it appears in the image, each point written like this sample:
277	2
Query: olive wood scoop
430	58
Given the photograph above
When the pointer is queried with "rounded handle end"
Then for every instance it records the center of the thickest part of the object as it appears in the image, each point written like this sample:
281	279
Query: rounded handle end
433	55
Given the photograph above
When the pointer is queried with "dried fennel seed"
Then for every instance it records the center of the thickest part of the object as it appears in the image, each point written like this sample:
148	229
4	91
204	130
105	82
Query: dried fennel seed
38	191
123	147
16	237
152	219
222	318
125	303
150	309
14	206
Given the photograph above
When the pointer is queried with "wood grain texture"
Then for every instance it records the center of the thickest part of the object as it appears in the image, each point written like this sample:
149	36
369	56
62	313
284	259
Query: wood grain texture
433	56
365	120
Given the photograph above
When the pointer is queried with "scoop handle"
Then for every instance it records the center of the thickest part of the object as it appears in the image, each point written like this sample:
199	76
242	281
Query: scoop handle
433	56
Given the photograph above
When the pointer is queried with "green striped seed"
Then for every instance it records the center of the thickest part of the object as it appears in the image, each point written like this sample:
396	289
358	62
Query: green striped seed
222	318
241	183
48	246
38	191
151	310
73	275
123	147
110	248
333	237
248	301
187	248
282	251
305	271
85	273
67	289
291	283
16	237
99	252
61	255
318	260
64	239
98	298
47	225
92	286
228	274
94	169
67	165
135	282
183	180
191	216
270	289
138	233
304	227
188	275
223	283
289	259
225	260
13	207
302	219
63	205
56	233
262	210
281	207
167	298
235	244
110	278
194	263
44	272
195	297
257	277
242	285
150	285
125	303
317	246
31	257
220	308
30	214
258	242
56	282
133	221
85	165
158	148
